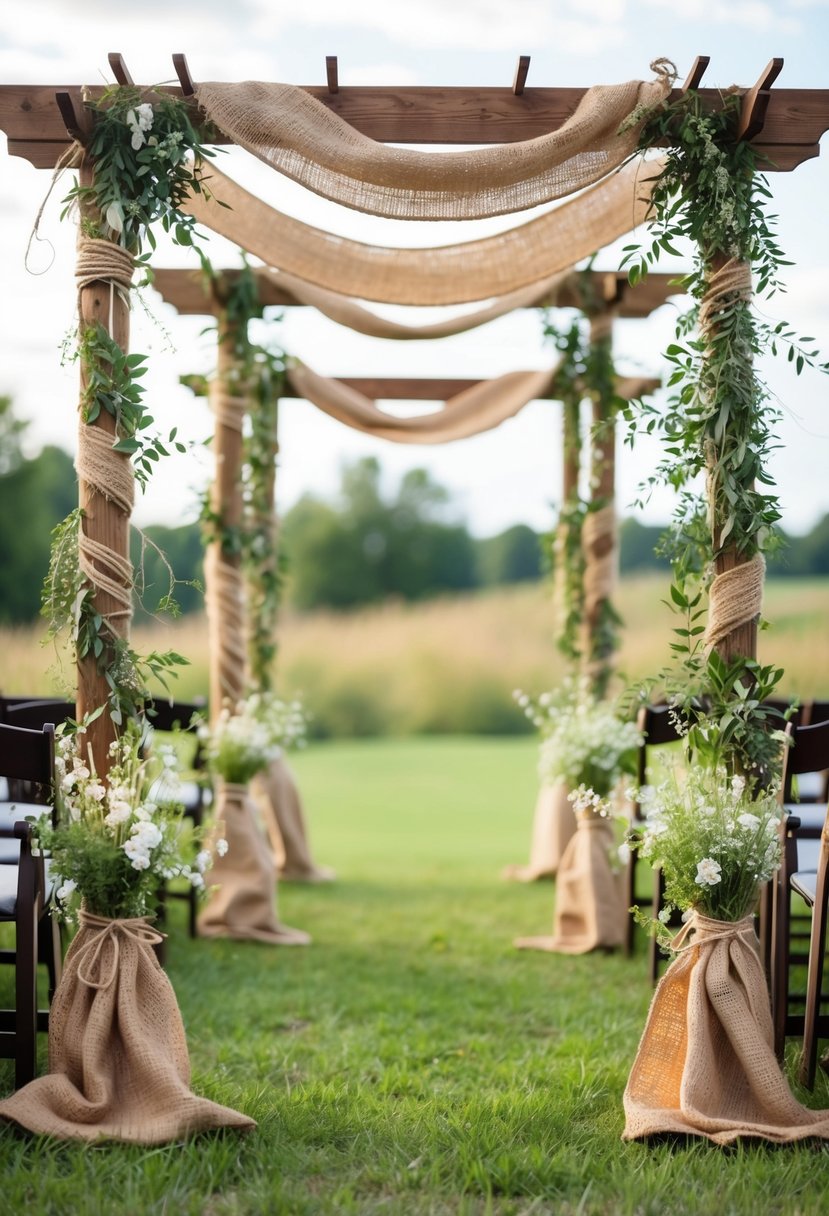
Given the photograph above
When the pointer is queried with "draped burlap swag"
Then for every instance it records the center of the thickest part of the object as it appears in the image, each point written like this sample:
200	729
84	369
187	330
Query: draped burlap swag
484	269
118	1063
295	133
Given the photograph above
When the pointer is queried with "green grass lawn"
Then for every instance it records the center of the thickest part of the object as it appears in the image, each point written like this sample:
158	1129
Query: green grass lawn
411	1061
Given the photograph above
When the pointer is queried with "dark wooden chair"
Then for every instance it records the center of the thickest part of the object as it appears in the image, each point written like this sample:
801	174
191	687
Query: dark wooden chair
658	726
803	829
195	794
26	755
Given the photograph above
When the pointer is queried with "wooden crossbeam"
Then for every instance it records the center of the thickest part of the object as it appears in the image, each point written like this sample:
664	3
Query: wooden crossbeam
795	119
402	388
185	290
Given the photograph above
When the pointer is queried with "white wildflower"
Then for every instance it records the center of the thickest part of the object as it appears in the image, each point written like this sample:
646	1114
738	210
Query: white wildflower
709	872
221	847
66	888
202	861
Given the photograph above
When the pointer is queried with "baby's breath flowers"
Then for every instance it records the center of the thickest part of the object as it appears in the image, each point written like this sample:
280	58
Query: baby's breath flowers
115	843
584	742
250	737
715	838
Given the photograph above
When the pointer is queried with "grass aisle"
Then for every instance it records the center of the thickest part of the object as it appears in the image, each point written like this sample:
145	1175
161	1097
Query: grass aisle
411	1062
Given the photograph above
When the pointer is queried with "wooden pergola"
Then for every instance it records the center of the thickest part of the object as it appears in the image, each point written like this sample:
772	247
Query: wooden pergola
41	121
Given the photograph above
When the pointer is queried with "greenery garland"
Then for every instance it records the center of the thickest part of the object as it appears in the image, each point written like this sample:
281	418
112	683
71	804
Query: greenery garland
260	376
148	159
720	419
585	371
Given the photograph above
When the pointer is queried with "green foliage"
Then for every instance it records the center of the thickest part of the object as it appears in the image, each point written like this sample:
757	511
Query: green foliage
513	556
142	177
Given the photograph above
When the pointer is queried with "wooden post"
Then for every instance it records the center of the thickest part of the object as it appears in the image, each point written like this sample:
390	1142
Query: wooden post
223	575
105	522
599	532
741	642
568	582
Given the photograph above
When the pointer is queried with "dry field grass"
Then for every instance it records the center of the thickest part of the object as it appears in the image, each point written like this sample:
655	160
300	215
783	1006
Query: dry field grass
450	664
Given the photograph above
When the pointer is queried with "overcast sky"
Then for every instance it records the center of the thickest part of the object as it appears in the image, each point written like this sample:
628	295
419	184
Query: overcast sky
512	473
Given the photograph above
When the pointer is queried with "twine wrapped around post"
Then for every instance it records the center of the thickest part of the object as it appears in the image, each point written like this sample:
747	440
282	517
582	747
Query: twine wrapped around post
118	1062
706	1064
735	598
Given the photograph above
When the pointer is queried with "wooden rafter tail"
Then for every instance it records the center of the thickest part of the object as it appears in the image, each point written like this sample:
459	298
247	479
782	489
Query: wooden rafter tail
521	71
69	115
698	70
756	102
119	69
332	73
188	88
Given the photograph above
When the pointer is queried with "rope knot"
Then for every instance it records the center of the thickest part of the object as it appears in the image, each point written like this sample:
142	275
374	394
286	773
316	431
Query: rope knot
105	931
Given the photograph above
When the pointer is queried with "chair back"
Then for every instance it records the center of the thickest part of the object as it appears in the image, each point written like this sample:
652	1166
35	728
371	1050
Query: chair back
658	725
179	716
29	756
818	712
33	714
807	752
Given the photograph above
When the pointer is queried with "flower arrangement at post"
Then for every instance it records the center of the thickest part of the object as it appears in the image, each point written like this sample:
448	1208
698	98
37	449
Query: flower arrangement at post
116	842
716	839
585	744
247	739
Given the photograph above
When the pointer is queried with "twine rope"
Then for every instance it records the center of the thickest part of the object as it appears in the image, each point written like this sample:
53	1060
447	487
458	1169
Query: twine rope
724	286
225	605
93	558
713	930
735	597
107	471
90	956
228	410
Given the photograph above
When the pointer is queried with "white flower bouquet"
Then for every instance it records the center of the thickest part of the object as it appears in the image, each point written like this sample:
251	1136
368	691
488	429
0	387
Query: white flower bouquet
246	740
585	743
716	839
112	844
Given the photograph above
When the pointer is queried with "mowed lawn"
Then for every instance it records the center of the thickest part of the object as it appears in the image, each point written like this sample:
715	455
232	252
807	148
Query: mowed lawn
411	1061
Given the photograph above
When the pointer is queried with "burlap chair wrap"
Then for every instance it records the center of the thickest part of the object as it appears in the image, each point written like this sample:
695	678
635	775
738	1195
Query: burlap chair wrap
242	901
296	134
706	1064
590	905
446	274
118	1063
278	798
554	825
470	412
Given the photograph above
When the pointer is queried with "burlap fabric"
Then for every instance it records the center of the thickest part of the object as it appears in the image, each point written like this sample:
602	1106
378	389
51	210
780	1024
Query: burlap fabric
242	902
590	906
296	134
554	824
118	1063
445	274
344	311
706	1065
470	412
280	805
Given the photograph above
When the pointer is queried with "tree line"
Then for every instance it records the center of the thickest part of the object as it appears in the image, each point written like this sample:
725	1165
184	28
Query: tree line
364	545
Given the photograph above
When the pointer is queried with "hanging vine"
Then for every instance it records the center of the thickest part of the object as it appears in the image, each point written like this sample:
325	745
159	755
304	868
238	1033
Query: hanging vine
720	419
147	159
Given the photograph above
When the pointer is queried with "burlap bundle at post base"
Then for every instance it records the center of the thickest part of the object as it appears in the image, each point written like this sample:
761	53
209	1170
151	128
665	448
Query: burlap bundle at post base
706	1065
118	1064
242	903
590	905
554	825
278	798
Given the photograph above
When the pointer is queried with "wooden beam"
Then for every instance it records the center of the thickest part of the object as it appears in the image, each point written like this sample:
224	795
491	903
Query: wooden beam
794	122
186	291
69	115
183	73
332	74
521	71
401	388
756	102
698	69
119	69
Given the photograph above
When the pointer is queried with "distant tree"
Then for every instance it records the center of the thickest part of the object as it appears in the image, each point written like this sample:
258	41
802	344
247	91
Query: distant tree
513	556
638	547
34	496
